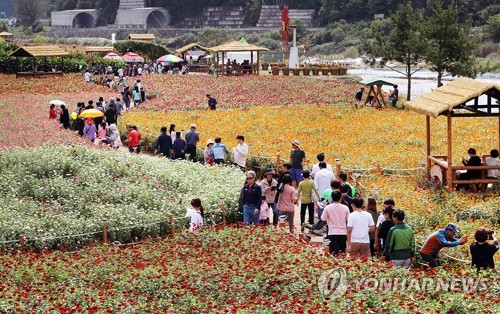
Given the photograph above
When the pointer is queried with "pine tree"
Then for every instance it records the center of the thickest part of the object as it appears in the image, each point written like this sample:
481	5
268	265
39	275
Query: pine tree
404	43
449	50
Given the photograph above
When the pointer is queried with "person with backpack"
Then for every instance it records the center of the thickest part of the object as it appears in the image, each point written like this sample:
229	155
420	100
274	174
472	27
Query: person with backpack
192	138
212	103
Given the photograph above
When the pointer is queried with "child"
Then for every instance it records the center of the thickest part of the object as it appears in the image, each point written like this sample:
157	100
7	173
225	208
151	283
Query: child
264	212
52	112
102	133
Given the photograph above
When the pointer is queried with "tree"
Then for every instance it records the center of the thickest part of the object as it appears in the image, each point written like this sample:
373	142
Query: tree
403	43
29	11
211	37
449	47
492	27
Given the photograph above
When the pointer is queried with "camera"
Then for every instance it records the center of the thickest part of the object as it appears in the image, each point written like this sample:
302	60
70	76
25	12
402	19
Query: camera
273	188
490	234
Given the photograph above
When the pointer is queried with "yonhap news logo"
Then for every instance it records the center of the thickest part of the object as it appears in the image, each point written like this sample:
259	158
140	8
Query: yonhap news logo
335	282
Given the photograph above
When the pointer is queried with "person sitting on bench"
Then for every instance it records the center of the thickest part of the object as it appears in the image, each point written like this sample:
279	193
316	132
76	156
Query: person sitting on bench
474	160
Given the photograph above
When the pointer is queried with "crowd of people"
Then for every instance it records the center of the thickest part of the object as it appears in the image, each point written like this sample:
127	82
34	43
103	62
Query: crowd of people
353	225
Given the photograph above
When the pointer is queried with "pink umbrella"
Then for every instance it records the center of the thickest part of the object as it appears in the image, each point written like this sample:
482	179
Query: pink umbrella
132	57
113	56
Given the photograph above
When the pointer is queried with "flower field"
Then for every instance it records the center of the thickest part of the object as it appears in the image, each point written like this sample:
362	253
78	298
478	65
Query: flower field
57	191
183	92
225	271
360	138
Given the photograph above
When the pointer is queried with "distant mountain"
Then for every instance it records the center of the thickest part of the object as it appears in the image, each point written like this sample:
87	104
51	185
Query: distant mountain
8	7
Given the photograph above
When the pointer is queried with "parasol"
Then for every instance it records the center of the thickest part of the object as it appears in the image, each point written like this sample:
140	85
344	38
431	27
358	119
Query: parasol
113	56
91	113
132	57
57	102
169	59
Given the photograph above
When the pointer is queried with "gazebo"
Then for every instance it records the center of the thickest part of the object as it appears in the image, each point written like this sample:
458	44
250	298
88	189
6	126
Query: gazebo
7	36
377	93
237	46
40	52
183	52
142	37
458	99
96	49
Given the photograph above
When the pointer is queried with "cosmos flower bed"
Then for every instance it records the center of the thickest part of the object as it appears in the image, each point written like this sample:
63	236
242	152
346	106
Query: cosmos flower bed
225	271
58	191
360	138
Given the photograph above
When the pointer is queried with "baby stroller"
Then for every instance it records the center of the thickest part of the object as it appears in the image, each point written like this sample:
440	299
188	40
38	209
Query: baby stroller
320	228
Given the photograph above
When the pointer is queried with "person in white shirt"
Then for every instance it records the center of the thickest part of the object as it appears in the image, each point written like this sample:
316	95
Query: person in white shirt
315	168
387	203
120	72
323	178
359	225
196	214
493	161
240	152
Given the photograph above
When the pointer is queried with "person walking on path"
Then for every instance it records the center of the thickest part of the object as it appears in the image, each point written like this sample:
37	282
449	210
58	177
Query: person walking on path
336	216
240	153
192	139
163	144
219	151
134	140
323	178
269	187
359	225
287	201
179	147
438	240
252	199
305	196
316	169
400	242
297	160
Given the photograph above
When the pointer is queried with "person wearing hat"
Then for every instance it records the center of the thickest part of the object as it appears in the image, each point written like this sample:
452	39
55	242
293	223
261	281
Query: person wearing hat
441	238
192	138
208	158
269	187
474	160
297	160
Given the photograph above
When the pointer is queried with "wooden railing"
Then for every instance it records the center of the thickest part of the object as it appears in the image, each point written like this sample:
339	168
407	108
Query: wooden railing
482	181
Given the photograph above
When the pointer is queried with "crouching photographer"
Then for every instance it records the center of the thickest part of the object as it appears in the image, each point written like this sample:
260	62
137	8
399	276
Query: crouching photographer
482	252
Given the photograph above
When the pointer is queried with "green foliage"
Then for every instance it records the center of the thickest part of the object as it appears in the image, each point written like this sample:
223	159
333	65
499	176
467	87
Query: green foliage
450	48
30	11
492	28
106	11
180	41
3	27
147	50
211	37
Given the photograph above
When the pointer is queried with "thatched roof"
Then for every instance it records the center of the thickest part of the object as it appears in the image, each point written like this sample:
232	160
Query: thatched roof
235	46
6	34
189	47
99	49
449	96
141	36
40	51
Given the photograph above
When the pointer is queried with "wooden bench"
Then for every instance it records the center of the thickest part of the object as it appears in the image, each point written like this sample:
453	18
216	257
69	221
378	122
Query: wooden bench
476	183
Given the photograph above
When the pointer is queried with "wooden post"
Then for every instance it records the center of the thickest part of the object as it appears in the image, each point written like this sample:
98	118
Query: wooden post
171	218
337	167
258	62
349	175
377	169
21	242
498	132
104	233
278	159
428	130
449	172
223	211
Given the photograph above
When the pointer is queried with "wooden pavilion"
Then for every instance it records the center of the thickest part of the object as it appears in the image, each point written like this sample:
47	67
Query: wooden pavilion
237	46
142	37
197	51
92	50
184	51
458	99
45	52
376	92
7	36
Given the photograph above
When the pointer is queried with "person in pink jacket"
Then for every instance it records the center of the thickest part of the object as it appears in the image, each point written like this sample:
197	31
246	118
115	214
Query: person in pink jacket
287	201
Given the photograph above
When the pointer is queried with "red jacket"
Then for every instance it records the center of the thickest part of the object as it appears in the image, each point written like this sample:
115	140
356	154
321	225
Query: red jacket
134	138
